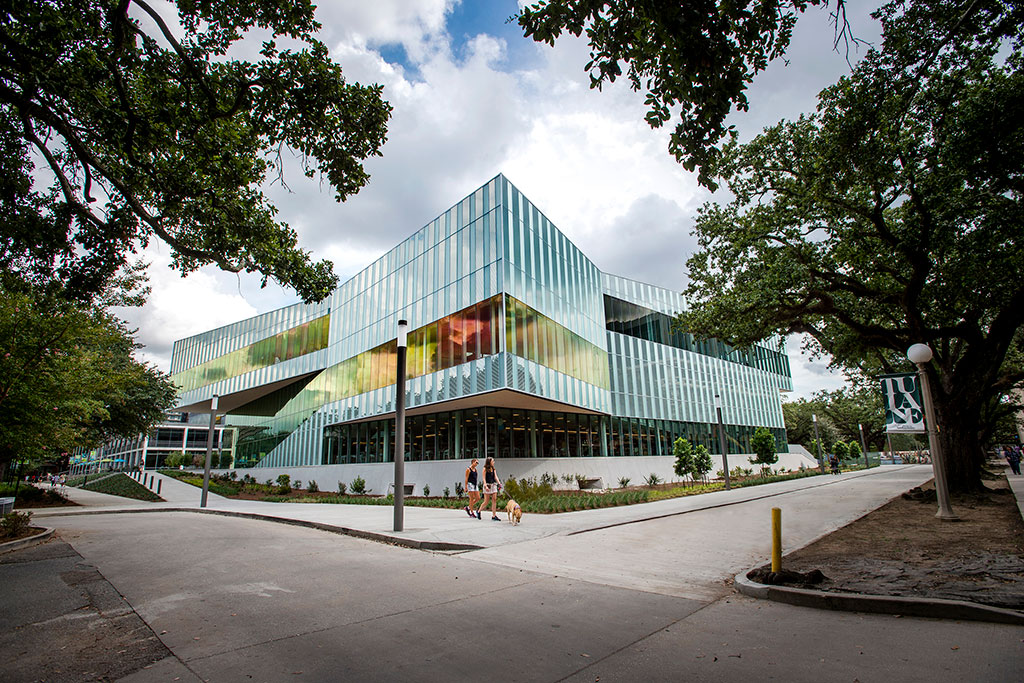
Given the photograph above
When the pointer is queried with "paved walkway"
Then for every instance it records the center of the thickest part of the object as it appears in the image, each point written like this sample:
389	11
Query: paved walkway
856	493
243	600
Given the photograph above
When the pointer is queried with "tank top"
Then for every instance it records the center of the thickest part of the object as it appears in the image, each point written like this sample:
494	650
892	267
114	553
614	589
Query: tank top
472	477
491	476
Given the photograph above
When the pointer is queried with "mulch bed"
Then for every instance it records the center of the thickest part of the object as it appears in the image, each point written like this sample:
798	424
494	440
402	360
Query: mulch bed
902	549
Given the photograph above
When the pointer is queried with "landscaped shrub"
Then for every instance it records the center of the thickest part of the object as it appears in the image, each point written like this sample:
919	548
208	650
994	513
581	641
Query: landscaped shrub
623	482
30	495
284	484
342	487
458	489
15	524
358	486
426	490
225	460
312	486
526	489
652	479
447	493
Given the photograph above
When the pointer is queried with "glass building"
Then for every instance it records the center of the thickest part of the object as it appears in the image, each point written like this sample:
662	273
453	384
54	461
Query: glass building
519	347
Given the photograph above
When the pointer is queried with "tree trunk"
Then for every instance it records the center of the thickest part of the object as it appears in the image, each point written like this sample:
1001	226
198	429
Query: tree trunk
962	454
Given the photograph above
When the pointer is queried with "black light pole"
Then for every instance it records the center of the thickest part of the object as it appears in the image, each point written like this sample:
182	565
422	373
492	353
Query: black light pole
862	446
209	450
721	440
403	329
817	440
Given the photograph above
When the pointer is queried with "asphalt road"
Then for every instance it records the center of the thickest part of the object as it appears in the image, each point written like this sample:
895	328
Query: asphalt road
245	600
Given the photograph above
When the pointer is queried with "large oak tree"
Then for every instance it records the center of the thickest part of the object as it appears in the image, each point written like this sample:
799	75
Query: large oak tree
127	120
891	216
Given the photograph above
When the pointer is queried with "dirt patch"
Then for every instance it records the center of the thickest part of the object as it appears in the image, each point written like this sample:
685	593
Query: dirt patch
902	549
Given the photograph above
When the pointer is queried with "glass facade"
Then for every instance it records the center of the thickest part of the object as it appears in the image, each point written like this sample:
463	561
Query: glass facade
519	433
501	305
298	341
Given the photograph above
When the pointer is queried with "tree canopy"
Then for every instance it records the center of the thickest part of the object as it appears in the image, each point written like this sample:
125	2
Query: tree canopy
68	378
121	121
890	216
693	60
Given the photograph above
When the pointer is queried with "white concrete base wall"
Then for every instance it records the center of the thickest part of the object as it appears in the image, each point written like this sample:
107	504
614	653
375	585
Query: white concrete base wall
438	474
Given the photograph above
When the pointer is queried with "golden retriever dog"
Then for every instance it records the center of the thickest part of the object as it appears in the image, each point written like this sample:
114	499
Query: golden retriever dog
515	513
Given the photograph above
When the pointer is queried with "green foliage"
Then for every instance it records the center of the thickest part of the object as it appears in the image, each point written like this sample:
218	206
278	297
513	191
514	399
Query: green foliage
623	482
763	443
683	451
840	450
526	489
446	493
853	450
358	486
15	524
32	495
890	216
122	485
342	487
312	486
426	490
693	61
459	489
148	132
701	462
68	378
178	459
652	479
224	460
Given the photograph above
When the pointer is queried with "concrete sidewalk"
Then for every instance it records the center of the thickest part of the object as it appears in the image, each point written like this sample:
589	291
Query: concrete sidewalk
241	600
442	527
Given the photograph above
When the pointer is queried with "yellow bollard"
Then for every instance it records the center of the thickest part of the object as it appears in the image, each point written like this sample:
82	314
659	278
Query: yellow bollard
776	540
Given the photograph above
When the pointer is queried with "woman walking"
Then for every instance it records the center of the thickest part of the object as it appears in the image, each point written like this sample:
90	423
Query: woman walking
472	488
491	487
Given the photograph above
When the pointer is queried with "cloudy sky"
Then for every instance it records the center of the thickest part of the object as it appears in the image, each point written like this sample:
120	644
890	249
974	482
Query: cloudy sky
472	98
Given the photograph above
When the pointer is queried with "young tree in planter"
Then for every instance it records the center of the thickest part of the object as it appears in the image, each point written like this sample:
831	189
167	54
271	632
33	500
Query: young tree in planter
684	458
853	451
889	217
701	462
763	443
841	450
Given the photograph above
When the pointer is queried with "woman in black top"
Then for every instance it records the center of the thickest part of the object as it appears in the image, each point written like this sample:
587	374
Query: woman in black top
491	487
472	488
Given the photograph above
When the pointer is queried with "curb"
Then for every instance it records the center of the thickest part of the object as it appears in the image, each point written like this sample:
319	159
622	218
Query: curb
27	541
346	531
341	530
932	608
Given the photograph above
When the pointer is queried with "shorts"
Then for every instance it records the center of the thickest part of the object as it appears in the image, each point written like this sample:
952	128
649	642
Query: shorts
490	488
470	488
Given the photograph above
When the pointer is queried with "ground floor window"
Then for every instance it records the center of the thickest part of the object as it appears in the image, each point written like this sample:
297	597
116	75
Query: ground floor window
515	433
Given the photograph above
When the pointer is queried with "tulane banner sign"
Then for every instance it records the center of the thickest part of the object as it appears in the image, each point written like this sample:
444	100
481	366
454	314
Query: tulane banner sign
904	410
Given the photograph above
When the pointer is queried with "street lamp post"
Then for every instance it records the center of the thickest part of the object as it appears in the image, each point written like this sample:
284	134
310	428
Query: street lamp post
817	442
209	450
721	441
863	447
403	331
919	355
